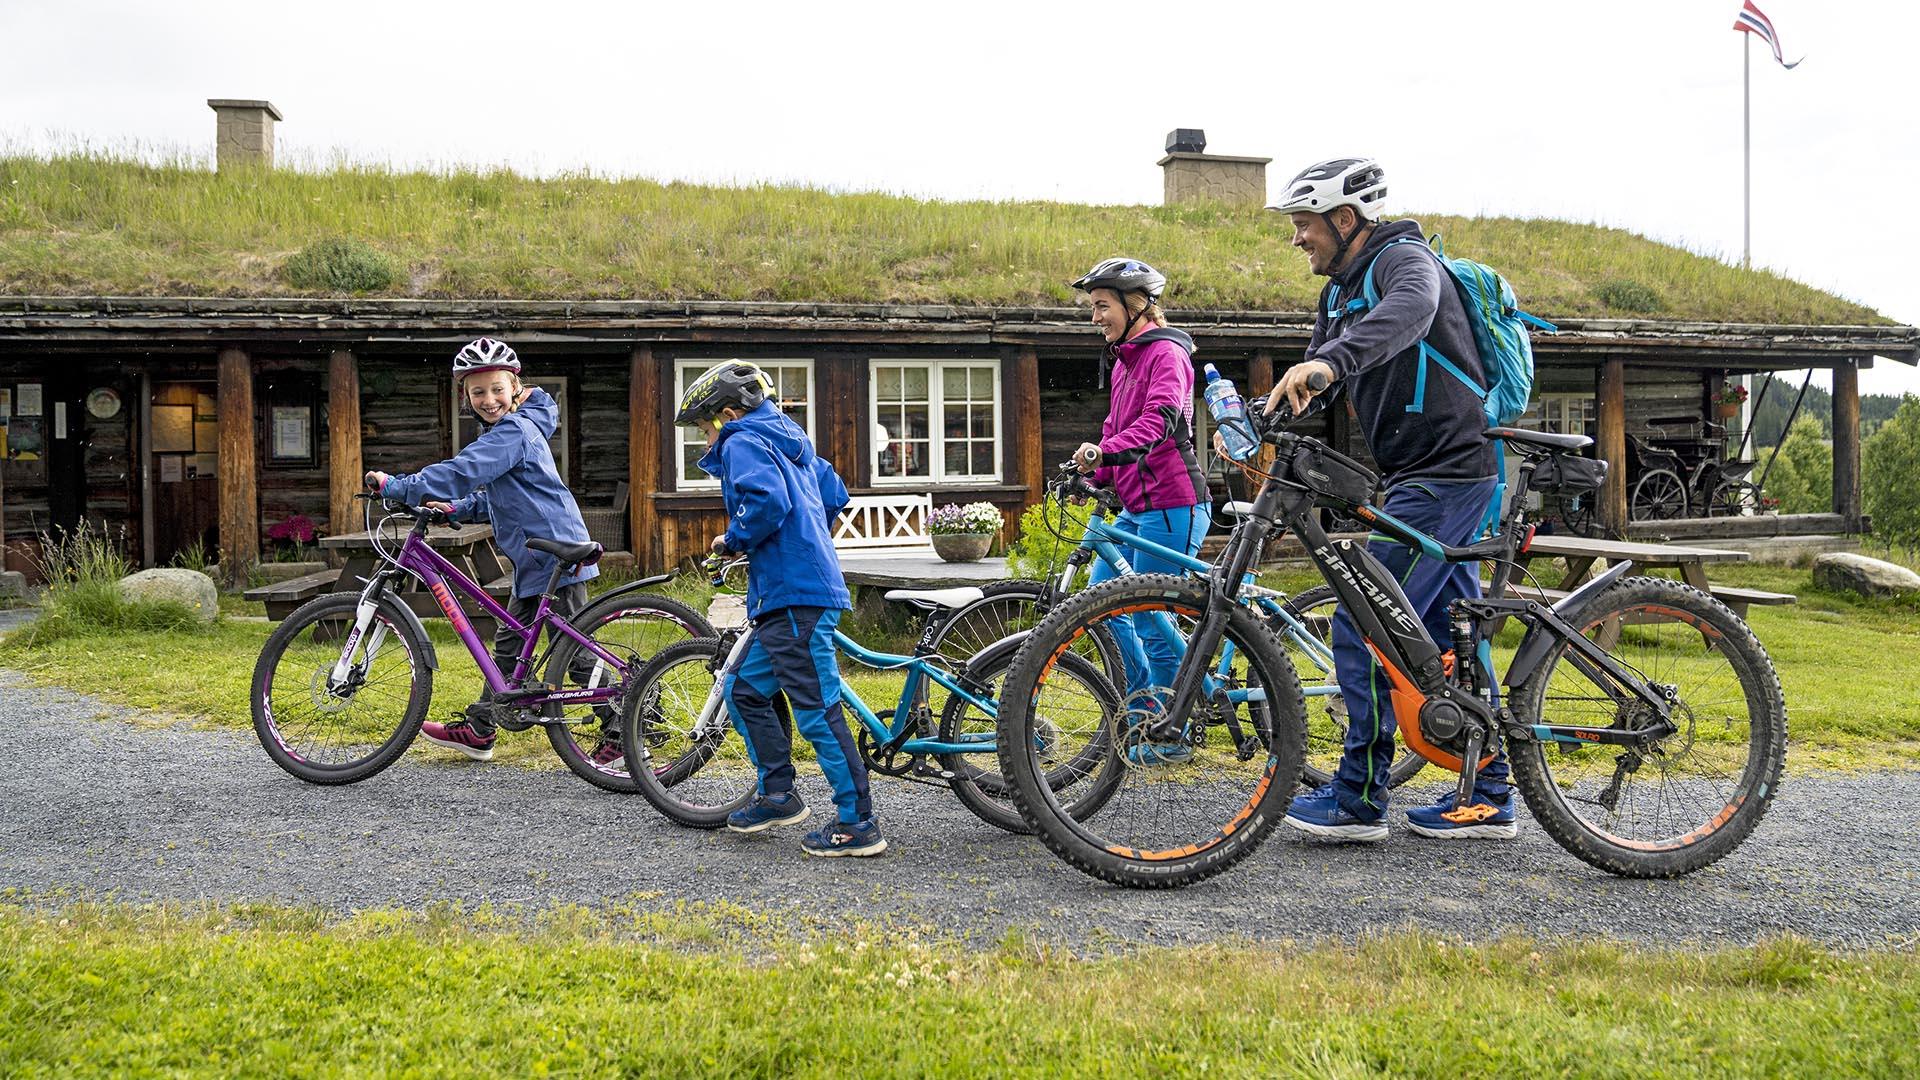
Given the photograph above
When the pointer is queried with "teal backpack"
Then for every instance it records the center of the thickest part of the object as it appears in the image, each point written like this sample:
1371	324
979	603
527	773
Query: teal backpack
1499	329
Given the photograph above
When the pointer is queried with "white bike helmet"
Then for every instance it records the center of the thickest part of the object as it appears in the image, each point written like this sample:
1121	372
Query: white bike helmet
485	354
1324	186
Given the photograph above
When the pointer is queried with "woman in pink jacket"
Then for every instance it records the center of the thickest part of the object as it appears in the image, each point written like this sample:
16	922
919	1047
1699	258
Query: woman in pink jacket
1146	454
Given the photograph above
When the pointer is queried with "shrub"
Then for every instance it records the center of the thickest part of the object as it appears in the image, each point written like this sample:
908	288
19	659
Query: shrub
83	569
1049	532
1802	475
338	264
1621	294
1891	464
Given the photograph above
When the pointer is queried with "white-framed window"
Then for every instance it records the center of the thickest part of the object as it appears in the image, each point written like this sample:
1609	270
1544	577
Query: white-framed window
1567	414
466	426
793	378
934	421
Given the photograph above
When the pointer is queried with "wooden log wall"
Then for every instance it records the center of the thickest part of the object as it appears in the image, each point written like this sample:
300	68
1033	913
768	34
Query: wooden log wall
238	469
343	442
405	412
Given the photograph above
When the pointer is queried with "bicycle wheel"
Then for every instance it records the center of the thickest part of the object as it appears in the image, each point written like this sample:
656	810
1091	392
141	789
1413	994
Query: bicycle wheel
1659	496
1172	820
1312	613
1682	802
325	733
1082	768
695	774
1009	608
634	627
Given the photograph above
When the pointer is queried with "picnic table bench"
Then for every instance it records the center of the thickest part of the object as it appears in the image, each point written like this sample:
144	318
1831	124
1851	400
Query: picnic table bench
1580	553
468	547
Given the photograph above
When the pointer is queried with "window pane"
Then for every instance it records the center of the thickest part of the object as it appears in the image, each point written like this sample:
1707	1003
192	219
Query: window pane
689	374
982	426
953	381
982	384
956	458
799	414
915	425
889	383
918	459
982	458
690	457
916	383
954	422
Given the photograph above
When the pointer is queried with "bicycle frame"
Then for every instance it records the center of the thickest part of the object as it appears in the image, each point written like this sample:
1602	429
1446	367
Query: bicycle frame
442	579
888	739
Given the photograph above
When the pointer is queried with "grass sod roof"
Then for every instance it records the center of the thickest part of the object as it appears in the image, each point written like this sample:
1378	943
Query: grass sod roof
85	225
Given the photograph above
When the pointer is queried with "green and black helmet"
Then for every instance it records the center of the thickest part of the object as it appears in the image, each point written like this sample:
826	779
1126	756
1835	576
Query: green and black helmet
735	383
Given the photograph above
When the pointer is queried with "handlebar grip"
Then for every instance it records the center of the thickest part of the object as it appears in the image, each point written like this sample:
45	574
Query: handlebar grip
1317	381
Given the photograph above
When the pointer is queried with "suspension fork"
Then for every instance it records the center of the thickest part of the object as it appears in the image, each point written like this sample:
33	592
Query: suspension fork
715	706
364	628
1223	590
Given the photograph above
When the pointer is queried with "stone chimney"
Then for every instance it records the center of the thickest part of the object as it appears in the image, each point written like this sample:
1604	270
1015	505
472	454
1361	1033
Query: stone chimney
1192	175
245	133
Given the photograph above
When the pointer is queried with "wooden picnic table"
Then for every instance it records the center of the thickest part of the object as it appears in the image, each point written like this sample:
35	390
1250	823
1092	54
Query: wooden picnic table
1580	553
469	548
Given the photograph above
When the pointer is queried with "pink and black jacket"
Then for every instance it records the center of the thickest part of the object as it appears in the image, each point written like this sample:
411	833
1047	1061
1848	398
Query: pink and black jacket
1146	442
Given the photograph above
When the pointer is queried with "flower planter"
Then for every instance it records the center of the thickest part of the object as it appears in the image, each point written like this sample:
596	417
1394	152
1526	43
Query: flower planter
1727	409
962	547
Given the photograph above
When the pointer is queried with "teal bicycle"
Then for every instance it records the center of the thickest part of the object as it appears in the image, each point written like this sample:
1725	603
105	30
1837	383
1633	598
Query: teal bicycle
944	719
976	619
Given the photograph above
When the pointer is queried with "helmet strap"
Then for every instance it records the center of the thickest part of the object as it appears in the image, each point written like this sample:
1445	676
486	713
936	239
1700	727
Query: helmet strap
1344	241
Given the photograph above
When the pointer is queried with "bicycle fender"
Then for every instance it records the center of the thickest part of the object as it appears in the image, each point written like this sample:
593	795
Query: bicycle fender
412	619
1539	640
621	590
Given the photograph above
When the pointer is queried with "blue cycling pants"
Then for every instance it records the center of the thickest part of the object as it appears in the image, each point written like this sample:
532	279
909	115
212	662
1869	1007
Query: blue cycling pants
793	652
1450	512
1150	659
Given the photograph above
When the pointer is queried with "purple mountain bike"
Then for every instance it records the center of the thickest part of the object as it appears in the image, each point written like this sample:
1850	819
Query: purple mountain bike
343	685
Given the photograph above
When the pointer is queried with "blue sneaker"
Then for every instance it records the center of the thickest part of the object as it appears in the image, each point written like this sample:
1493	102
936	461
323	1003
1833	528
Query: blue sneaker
1157	753
766	811
1483	819
856	838
1318	813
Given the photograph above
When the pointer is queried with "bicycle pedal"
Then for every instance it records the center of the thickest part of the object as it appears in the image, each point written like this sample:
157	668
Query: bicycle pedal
931	773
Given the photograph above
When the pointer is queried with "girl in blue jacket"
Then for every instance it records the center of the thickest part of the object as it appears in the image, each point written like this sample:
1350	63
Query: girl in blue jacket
506	476
780	496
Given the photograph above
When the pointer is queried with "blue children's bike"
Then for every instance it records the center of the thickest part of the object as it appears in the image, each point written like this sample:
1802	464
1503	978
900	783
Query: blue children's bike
943	722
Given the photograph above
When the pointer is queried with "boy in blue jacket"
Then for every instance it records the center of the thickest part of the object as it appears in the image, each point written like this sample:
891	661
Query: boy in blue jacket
780	496
506	476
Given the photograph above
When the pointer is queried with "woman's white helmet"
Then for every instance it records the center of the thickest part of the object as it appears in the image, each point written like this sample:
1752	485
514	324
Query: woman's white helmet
485	354
1322	187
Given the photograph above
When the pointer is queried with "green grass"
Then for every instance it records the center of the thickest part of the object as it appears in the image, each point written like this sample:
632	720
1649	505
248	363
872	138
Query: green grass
90	224
266	991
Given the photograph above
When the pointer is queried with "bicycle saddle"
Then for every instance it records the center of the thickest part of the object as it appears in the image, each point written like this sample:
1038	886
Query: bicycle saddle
585	554
1549	441
948	598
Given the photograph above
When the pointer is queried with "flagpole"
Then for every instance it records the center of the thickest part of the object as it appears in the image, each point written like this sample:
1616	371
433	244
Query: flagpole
1746	151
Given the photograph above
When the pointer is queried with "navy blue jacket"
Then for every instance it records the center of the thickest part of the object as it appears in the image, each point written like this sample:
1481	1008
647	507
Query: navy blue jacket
1376	357
507	476
781	499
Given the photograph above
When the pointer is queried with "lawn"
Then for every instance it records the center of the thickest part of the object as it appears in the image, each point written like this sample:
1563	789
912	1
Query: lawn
718	992
88	224
1846	666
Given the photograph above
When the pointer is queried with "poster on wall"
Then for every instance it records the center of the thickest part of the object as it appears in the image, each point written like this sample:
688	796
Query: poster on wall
6	403
292	427
27	399
23	438
170	472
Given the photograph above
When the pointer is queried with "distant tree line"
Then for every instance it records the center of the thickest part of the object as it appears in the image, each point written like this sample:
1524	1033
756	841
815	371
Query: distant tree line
1771	408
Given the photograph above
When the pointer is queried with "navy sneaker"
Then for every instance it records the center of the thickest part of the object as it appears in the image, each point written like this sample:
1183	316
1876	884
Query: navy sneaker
1483	819
856	838
1318	813
766	811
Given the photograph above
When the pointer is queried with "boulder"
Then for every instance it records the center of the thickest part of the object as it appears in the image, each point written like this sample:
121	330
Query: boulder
1843	571
190	587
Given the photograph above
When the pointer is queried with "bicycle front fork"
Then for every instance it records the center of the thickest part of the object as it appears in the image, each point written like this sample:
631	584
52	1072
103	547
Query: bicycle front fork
365	628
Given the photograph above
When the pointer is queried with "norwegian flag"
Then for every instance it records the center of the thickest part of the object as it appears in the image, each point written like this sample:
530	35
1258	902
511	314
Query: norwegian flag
1752	20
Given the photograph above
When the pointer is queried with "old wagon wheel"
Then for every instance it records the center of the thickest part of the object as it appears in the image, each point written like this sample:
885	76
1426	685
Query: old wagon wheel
1658	496
1731	498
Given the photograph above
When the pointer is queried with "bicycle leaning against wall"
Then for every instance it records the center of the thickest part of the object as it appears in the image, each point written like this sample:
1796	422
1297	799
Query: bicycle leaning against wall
344	683
1644	722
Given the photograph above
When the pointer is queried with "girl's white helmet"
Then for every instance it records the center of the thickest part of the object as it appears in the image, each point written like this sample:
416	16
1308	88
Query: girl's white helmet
1321	187
485	354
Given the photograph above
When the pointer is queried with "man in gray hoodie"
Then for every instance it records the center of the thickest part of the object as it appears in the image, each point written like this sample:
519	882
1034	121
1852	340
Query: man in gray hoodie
1423	427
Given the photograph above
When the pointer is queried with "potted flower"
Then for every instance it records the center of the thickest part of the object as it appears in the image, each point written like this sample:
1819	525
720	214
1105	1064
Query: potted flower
293	553
964	533
1729	398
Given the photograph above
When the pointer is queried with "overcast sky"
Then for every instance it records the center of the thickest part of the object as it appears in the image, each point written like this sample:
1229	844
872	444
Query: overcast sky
1626	114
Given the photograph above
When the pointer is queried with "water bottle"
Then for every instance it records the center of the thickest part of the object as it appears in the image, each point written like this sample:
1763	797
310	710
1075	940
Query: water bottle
1229	416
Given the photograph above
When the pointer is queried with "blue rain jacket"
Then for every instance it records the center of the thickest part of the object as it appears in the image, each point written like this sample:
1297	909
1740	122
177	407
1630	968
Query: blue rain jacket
781	498
507	477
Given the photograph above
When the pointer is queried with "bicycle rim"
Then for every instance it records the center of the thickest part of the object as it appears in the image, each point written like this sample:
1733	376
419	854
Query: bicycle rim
694	776
326	732
633	629
1689	798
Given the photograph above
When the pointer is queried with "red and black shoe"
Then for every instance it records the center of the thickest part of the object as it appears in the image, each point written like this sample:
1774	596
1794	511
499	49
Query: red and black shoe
459	735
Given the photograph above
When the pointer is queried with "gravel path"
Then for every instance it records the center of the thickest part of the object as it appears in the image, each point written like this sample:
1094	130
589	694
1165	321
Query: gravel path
95	805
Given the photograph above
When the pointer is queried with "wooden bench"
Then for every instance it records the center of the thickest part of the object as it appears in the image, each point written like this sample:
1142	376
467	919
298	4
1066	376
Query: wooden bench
1735	598
884	525
282	597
